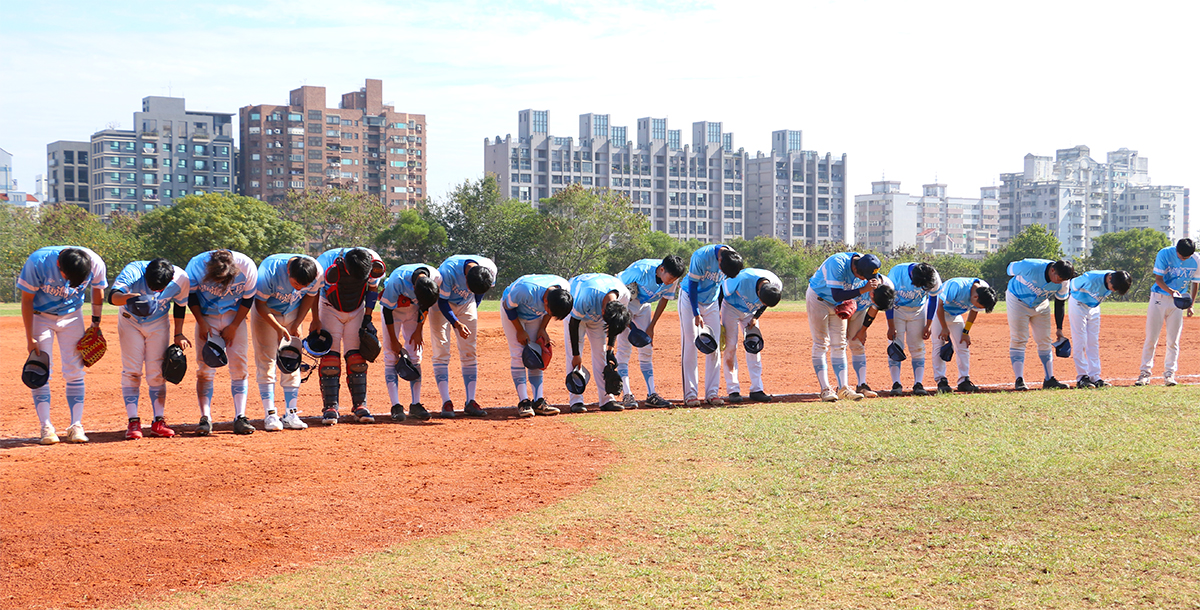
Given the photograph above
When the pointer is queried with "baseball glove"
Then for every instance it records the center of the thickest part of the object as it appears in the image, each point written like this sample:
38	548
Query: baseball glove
91	346
547	353
612	379
846	309
368	341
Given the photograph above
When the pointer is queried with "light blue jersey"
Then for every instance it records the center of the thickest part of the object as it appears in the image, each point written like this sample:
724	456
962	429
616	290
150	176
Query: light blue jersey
865	300
956	295
641	278
399	286
704	271
835	272
1029	282
1175	273
909	294
589	291
454	277
274	285
1089	288
132	280
51	292
741	292
527	293
216	299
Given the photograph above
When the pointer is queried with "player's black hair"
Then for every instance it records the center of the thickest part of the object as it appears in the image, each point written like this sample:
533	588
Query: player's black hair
1064	269
768	293
673	265
159	274
560	301
731	262
987	297
358	263
922	275
220	268
76	265
616	317
1185	247
884	297
1121	281
303	270
480	279
425	289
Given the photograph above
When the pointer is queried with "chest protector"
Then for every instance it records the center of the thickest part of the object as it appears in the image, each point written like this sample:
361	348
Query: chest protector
344	292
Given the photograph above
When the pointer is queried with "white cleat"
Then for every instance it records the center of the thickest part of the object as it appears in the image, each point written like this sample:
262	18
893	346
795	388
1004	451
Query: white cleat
292	421
846	393
828	395
75	434
49	436
1143	379
272	423
1169	380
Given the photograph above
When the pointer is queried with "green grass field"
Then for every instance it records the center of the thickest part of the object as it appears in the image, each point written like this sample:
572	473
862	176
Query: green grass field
995	501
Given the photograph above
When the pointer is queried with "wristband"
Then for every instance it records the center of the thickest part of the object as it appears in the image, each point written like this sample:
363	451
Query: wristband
967	326
966	331
867	321
179	335
95	319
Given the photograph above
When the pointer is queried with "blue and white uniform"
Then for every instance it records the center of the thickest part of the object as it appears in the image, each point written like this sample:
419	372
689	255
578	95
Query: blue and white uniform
858	350
740	303
523	302
144	340
399	296
956	302
588	291
1178	274
641	279
1083	309
219	304
456	303
1028	301
274	290
827	329
698	297
914	309
59	316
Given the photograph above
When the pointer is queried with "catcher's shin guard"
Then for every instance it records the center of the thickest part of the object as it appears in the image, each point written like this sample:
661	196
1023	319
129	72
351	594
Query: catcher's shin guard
331	370
356	377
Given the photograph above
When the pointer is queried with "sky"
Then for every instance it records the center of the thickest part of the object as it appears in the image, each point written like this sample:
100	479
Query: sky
952	92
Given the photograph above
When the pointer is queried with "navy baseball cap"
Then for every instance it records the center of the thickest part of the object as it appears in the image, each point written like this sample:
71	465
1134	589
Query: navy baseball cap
868	266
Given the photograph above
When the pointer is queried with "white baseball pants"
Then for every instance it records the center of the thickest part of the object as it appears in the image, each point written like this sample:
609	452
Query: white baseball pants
1162	312
343	326
828	331
641	315
910	328
67	330
735	323
521	376
1085	339
596	334
440	331
237	351
1023	321
962	352
143	345
405	320
266	348
712	364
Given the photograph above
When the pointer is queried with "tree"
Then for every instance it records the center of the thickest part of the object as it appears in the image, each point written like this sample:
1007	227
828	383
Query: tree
336	218
1036	241
18	231
115	242
413	238
199	223
947	265
1133	251
580	228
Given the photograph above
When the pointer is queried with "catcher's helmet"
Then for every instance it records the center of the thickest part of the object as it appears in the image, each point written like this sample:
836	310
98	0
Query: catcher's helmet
637	336
896	353
577	380
406	369
705	341
318	343
1183	301
36	372
1062	349
174	364
289	356
947	352
753	341
213	352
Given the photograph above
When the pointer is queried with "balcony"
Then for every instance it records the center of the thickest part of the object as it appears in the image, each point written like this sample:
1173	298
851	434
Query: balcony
201	135
149	134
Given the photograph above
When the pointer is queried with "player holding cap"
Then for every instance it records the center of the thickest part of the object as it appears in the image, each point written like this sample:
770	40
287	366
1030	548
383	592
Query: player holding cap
742	301
917	288
600	307
222	285
348	295
866	308
709	266
408	295
648	280
1034	281
287	289
959	296
529	303
842	277
1087	292
145	290
1176	271
465	279
53	283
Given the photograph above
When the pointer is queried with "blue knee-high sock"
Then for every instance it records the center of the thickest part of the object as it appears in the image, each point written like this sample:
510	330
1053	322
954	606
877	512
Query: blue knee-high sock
535	381
894	369
623	371
414	387
392	381
822	371
1017	357
441	374
918	365
518	377
470	374
648	375
130	396
75	401
238	388
205	395
860	367
266	391
158	399
291	398
1047	359
839	371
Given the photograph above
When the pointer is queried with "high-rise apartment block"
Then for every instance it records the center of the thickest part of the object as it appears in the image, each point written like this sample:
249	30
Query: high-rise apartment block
796	195
363	145
1079	198
888	219
69	173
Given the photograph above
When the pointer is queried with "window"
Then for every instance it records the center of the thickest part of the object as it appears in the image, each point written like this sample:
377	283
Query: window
254	116
292	116
314	115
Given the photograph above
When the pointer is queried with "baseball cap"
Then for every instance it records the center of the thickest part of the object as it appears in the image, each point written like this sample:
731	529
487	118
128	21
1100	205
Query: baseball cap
867	265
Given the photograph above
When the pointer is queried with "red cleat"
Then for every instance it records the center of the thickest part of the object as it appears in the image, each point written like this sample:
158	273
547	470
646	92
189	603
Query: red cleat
134	431
159	428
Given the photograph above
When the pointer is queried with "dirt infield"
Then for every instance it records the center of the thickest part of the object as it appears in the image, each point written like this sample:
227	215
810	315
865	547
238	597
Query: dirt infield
105	523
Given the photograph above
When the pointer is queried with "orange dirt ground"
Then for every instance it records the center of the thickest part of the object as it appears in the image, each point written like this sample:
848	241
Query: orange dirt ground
113	521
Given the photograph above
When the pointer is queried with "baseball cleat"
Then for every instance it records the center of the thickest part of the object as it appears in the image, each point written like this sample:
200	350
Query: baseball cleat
944	386
329	417
363	416
1169	380
417	411
734	398
447	410
716	401
1054	384
1020	386
242	425
473	409
134	431
612	405
49	436
292	421
691	402
918	390
541	407
525	408
828	395
159	428
656	401
397	412
578	408
897	389
845	393
1100	383
760	396
629	401
272	422
204	428
866	391
966	386
1143	379
75	434
1084	383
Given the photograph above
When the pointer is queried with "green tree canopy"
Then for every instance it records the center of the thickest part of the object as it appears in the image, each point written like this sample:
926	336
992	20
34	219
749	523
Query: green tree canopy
199	223
1036	241
1133	251
582	228
336	218
412	238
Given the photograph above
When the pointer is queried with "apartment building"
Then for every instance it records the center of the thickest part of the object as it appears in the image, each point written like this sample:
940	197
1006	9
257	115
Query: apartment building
795	195
7	182
363	145
69	173
889	219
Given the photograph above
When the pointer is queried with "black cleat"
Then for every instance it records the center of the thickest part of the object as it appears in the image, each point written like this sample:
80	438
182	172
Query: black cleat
919	390
966	386
1100	383
612	405
474	410
417	411
363	416
944	386
1020	386
398	412
447	410
1084	383
541	407
525	408
734	398
897	389
204	428
241	425
578	408
1054	384
760	396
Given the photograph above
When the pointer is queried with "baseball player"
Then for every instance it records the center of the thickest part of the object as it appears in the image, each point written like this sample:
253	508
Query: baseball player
960	295
600	307
1087	292
648	280
1176	270
144	290
408	295
709	266
465	279
841	278
222	285
287	290
529	303
53	284
350	288
866	307
742	301
1034	281
917	287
